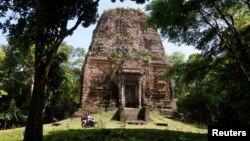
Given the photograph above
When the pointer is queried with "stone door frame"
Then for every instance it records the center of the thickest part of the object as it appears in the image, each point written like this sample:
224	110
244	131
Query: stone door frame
128	79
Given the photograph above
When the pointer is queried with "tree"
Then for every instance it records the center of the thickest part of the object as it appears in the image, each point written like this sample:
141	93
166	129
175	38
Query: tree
176	58
216	91
208	25
45	23
78	58
63	87
175	74
15	82
219	29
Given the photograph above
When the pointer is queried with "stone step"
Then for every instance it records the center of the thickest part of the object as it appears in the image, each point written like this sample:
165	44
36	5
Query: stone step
137	122
132	114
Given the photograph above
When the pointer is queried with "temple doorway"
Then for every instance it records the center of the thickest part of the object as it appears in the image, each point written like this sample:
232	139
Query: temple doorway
131	95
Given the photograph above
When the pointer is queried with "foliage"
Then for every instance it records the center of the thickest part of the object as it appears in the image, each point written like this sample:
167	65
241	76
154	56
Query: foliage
116	56
209	26
217	81
3	93
12	116
45	24
145	55
63	86
2	56
16	83
176	59
129	54
120	17
108	10
214	89
77	58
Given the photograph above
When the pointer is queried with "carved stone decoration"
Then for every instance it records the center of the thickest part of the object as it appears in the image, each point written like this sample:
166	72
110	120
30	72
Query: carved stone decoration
124	64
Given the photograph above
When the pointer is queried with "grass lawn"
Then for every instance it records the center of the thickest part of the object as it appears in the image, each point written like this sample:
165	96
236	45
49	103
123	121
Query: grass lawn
112	130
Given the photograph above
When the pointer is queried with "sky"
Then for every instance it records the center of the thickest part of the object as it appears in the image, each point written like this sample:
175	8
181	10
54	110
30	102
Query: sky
82	36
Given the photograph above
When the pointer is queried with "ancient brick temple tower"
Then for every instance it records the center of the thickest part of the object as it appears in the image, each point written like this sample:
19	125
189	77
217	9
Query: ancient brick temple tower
124	65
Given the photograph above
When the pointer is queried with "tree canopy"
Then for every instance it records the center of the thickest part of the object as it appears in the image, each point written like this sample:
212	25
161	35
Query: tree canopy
45	24
213	90
16	83
214	84
211	26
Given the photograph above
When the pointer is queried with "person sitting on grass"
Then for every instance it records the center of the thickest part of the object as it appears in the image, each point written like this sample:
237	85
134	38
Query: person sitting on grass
84	118
87	120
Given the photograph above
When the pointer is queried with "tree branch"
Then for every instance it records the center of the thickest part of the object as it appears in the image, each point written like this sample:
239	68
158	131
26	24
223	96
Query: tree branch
237	37
230	49
78	22
245	66
247	2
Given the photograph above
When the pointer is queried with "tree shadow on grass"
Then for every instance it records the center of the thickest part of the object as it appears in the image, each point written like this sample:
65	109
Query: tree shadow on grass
123	135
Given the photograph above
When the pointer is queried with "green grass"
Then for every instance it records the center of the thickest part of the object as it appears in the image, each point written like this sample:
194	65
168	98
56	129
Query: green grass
123	135
112	130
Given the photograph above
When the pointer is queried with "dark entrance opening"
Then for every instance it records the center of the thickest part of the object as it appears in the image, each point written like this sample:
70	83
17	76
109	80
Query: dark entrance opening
131	95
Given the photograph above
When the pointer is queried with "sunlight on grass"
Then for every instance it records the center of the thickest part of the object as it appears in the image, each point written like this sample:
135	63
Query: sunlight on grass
12	135
176	125
105	121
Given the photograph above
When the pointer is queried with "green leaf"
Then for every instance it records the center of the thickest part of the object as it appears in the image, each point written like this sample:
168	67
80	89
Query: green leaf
3	93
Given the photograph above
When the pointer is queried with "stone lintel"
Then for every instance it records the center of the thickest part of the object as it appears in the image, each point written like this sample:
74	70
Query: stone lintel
131	71
98	59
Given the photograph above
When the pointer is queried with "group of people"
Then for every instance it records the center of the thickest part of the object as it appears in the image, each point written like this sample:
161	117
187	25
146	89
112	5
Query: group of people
87	120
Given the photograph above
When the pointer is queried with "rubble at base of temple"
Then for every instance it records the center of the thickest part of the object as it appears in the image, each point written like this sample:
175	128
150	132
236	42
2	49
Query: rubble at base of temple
123	67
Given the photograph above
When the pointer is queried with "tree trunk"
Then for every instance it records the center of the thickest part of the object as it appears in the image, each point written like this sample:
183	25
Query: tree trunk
34	126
